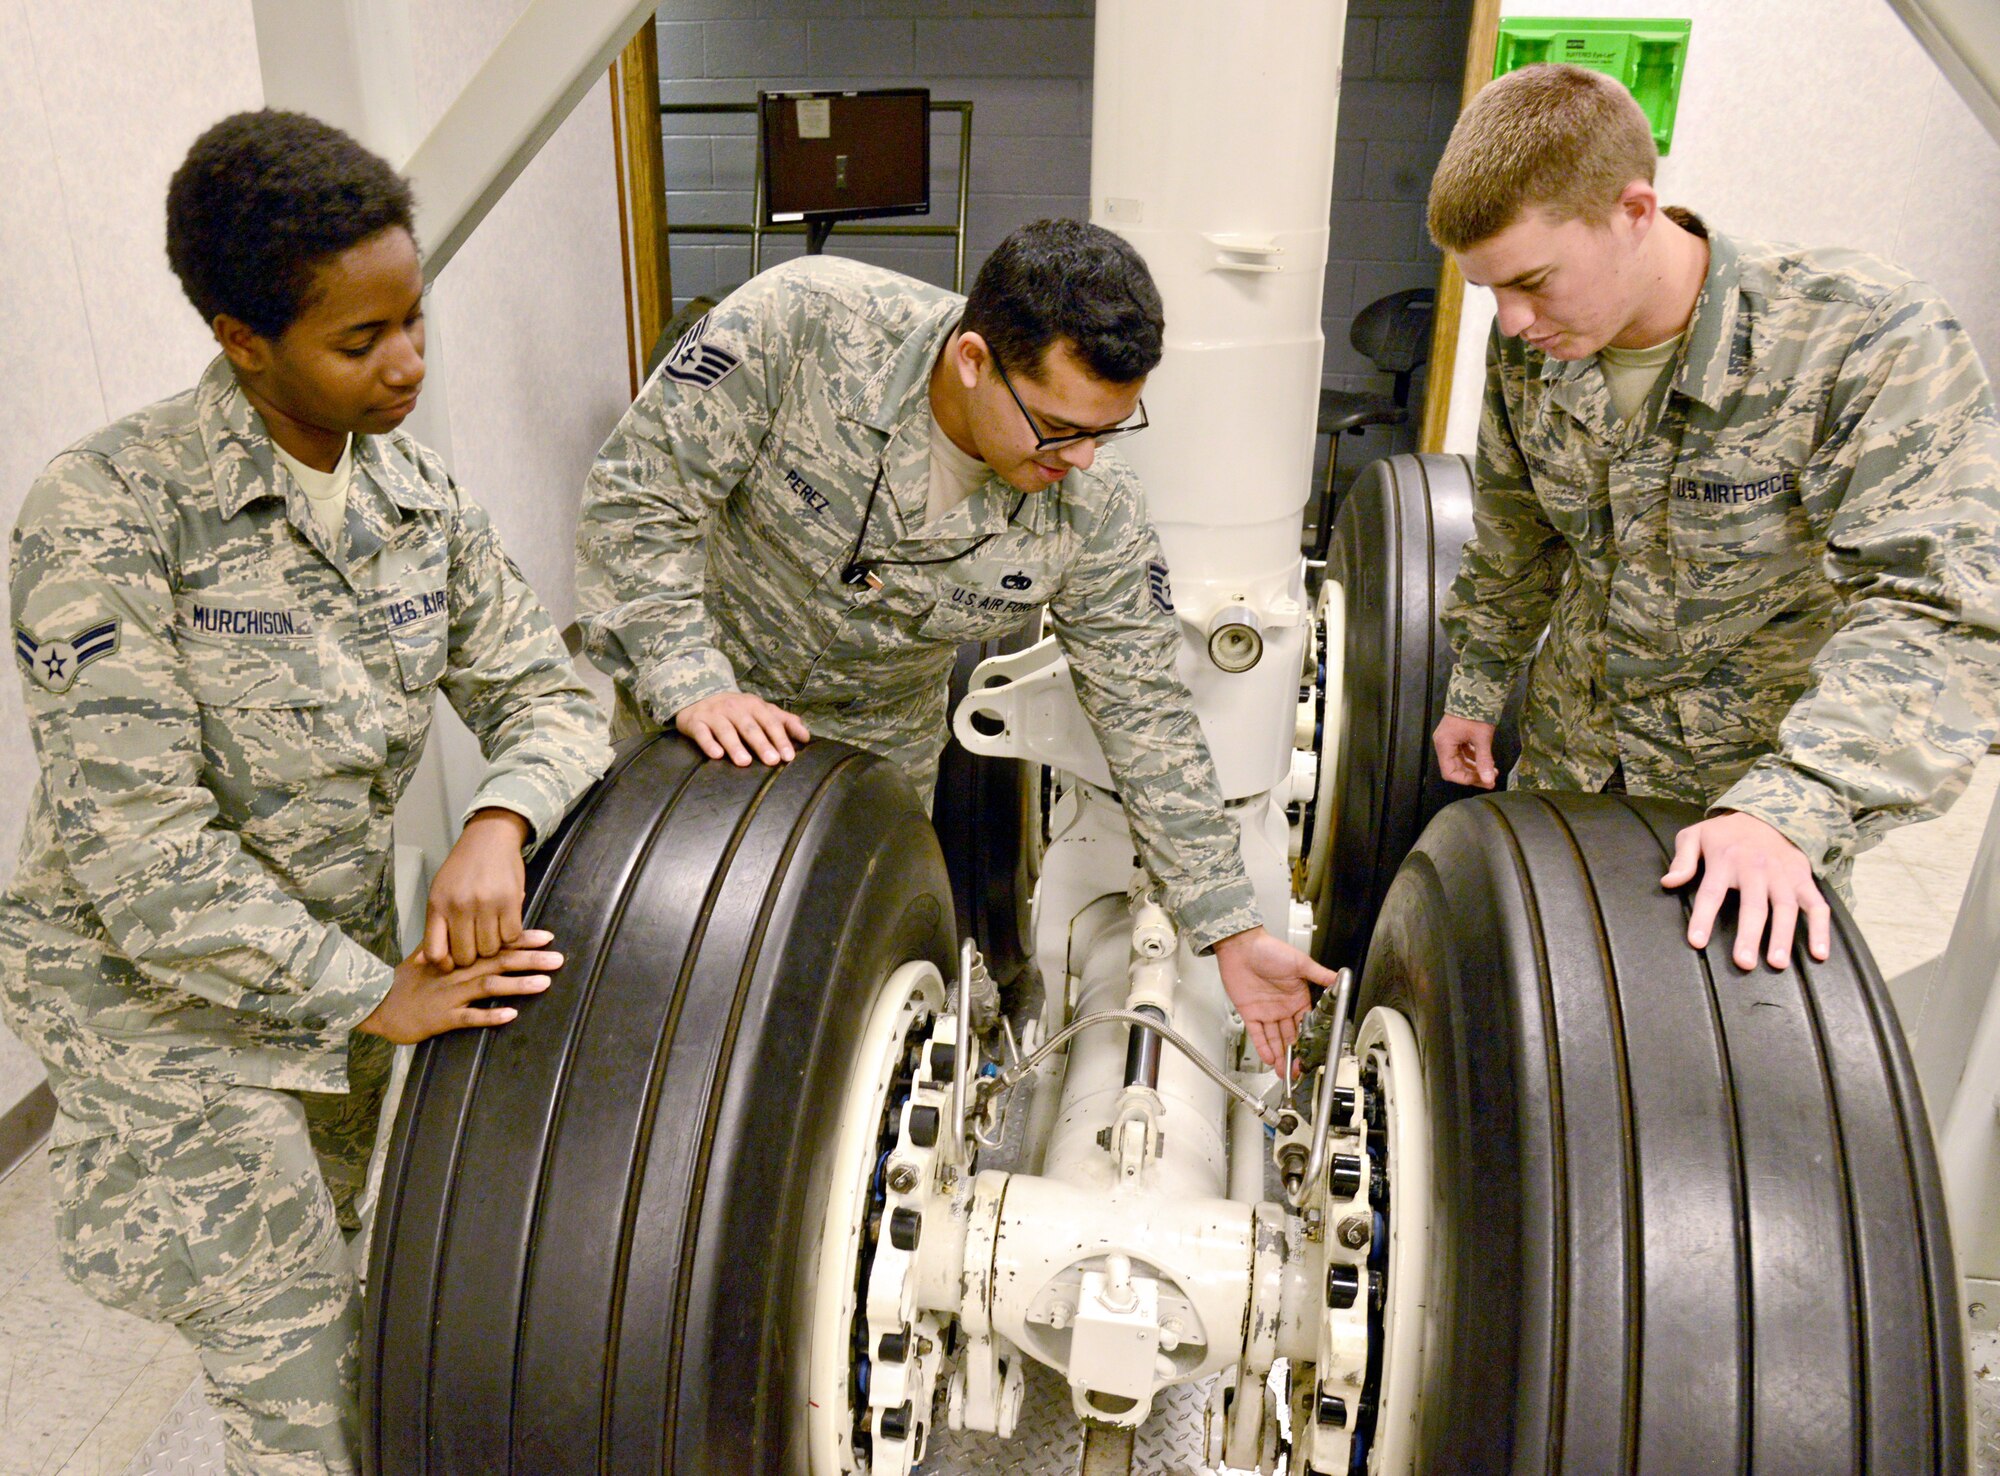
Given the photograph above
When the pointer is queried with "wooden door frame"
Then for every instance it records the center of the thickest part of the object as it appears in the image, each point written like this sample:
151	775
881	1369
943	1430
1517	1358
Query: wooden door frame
1479	52
642	197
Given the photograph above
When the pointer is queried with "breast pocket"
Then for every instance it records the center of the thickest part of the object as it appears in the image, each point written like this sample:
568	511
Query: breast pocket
420	652
269	721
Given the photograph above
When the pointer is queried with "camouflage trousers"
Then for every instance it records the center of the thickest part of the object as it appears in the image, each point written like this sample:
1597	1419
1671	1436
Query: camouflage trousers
229	1226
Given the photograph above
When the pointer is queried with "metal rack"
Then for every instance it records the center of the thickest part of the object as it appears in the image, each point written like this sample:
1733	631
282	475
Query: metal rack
757	231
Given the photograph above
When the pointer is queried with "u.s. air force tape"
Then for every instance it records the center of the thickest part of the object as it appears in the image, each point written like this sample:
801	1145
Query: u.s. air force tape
54	664
694	362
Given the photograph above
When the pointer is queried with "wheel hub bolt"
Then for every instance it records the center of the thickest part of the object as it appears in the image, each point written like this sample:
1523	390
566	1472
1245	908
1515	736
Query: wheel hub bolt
896	1422
1354	1231
906	1226
1343	1180
1343	1285
1331	1410
902	1178
894	1347
924	1126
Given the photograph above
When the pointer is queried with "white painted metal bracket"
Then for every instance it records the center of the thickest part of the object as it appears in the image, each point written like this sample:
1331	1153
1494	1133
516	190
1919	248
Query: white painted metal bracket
1024	706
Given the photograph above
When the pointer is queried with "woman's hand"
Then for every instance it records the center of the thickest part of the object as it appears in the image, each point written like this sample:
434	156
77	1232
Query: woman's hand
425	1000
474	909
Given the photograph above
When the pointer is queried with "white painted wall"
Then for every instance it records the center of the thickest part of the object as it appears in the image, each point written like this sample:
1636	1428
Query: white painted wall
99	103
1820	122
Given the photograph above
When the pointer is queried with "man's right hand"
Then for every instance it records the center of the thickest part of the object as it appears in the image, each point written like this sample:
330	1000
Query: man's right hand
734	725
425	1000
1465	752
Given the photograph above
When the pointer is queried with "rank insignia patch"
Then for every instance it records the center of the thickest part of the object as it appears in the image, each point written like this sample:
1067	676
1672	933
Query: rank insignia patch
1156	581
694	362
54	664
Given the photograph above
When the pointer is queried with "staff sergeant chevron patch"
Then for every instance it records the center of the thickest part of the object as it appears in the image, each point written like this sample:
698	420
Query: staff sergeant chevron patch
694	362
55	663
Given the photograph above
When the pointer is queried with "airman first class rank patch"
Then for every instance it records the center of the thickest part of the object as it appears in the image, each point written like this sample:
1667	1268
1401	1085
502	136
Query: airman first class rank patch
702	365
55	664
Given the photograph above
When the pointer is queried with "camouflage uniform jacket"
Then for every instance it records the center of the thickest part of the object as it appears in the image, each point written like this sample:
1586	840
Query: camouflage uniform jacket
226	706
724	507
1776	588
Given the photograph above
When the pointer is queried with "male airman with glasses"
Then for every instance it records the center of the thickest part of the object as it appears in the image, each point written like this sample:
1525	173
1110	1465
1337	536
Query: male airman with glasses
840	475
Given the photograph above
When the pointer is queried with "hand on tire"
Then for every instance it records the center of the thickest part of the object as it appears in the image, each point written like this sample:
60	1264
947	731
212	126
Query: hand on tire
1266	980
1771	877
425	1000
1465	752
735	725
474	908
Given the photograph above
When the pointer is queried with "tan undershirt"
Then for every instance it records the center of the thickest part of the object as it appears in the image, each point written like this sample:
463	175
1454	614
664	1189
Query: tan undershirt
954	475
326	491
1630	374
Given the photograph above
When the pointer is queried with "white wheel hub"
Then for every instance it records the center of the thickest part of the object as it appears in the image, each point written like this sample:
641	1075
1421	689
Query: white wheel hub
847	1328
1388	1045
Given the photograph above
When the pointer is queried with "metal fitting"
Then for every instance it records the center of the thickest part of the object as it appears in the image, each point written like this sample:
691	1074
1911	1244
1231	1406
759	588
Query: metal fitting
1235	638
1355	1231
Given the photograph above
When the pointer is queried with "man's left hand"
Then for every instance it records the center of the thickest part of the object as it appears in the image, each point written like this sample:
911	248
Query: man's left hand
1266	980
1772	880
474	909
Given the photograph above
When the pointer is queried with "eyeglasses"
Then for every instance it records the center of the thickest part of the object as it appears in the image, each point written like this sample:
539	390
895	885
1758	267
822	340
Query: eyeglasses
1048	443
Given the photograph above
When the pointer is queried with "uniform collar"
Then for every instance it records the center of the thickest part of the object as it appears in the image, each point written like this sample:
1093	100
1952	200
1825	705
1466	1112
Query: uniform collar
902	382
1705	365
245	461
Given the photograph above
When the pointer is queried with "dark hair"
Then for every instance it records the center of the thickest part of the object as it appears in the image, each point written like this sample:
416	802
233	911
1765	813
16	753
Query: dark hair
261	199
1064	279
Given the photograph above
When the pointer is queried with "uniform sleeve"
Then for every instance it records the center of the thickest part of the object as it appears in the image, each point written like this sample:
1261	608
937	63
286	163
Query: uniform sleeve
1508	574
680	451
1902	698
1124	649
509	677
118	736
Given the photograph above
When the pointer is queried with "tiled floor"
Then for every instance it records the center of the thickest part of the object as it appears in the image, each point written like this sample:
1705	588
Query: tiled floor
81	1388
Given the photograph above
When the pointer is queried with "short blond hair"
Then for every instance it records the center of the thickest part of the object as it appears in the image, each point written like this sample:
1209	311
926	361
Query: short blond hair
1553	137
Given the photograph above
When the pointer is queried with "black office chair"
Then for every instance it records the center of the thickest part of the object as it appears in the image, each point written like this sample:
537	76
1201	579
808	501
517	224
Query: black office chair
1394	332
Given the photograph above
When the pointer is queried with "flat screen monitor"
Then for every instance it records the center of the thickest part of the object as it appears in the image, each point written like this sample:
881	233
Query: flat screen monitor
830	156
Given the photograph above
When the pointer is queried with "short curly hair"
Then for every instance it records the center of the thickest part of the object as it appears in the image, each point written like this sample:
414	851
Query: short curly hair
1055	279
261	199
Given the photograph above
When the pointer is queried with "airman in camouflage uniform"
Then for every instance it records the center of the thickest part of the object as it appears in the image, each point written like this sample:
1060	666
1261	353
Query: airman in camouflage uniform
722	512
1772	591
764	539
228	692
1752	491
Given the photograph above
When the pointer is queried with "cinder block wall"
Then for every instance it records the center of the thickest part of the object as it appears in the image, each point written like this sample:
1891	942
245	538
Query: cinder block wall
1026	67
1023	64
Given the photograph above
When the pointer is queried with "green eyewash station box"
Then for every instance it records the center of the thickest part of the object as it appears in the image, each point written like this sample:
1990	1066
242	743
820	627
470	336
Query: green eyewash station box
1648	56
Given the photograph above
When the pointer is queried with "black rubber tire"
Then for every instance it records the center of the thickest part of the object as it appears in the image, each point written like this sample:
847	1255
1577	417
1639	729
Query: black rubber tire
1397	541
595	1221
1685	1219
983	809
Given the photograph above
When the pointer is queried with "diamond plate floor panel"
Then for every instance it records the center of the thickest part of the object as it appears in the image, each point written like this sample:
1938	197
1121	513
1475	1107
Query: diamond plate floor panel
187	1443
1049	1441
1985	1350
